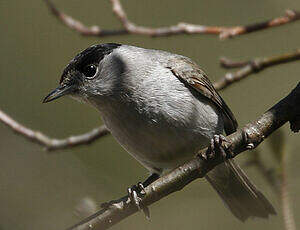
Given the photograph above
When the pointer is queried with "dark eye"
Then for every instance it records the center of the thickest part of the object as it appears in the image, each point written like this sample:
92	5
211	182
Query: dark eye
90	71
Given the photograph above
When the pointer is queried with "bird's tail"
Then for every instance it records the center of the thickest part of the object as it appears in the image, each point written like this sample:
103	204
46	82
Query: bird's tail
242	197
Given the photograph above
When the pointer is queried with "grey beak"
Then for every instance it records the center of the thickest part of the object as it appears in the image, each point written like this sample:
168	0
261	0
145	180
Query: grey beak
58	92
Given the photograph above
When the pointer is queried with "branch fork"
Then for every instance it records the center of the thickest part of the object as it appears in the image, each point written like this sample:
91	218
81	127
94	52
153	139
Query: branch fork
181	28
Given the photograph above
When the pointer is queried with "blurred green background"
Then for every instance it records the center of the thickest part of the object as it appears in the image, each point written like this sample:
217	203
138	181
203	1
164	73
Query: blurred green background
40	190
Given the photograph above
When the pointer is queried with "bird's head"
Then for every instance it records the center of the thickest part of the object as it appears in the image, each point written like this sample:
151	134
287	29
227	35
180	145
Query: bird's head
88	75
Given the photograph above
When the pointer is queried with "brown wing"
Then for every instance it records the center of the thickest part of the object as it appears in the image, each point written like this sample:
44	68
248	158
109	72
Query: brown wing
191	74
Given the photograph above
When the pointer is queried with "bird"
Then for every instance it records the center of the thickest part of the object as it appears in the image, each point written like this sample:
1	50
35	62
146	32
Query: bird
161	108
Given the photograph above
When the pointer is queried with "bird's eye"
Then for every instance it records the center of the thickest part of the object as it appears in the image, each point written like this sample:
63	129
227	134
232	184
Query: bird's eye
90	71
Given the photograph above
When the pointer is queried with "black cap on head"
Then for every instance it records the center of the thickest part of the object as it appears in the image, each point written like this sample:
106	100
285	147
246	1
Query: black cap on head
92	55
71	74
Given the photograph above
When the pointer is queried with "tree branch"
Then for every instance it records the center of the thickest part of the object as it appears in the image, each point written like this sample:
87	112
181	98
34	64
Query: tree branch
251	67
47	142
243	139
181	28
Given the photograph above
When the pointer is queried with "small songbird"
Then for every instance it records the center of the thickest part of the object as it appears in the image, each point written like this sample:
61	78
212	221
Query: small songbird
161	108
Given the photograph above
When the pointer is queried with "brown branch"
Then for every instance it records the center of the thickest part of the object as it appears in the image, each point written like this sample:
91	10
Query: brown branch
251	67
47	142
230	64
181	28
246	138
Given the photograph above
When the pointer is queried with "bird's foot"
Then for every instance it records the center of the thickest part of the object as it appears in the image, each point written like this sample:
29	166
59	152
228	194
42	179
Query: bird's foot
217	148
135	193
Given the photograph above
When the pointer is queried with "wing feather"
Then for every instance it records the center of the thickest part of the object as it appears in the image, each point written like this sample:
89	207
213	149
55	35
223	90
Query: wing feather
193	76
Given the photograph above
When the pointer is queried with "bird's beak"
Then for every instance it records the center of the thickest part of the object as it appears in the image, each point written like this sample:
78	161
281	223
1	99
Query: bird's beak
58	92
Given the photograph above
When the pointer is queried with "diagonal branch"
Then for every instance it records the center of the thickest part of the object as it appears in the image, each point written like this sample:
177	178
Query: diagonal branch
246	138
181	28
251	67
47	142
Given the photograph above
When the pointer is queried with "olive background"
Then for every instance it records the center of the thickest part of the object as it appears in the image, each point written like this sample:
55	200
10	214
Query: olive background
40	190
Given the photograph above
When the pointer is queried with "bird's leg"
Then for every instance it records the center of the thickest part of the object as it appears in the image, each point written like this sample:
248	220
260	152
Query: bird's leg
139	188
216	148
153	177
135	193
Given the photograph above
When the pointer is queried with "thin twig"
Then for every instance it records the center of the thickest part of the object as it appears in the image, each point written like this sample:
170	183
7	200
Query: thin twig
250	67
248	137
287	212
181	28
49	143
279	182
230	64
